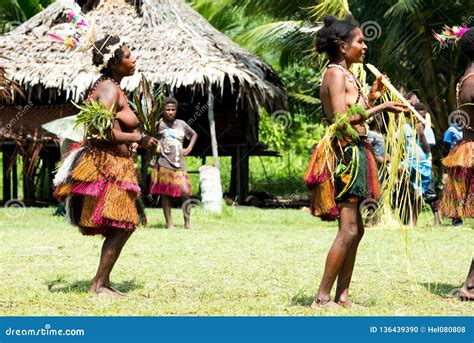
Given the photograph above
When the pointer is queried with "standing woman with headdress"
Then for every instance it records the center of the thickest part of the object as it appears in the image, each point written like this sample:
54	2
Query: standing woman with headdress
98	180
343	171
458	194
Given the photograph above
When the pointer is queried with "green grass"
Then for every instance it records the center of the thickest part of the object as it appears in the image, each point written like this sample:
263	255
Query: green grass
247	262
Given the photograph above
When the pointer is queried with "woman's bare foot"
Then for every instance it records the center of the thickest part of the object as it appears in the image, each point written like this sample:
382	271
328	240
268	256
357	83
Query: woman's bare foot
170	226
323	303
189	227
107	291
349	304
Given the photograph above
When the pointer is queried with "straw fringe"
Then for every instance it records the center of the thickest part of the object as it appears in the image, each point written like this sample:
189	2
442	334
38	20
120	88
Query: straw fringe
458	194
175	45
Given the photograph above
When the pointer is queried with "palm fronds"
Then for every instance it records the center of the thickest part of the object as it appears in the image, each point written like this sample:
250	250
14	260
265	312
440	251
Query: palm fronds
148	106
97	119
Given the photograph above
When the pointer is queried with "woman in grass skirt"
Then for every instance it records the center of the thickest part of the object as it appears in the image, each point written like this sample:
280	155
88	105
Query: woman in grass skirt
342	172
169	178
98	180
458	194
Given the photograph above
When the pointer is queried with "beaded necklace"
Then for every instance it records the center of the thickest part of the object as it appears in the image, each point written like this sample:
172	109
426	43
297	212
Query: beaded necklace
99	80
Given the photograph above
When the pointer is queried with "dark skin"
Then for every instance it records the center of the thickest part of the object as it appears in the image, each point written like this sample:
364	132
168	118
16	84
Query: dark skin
337	94
169	116
124	133
466	96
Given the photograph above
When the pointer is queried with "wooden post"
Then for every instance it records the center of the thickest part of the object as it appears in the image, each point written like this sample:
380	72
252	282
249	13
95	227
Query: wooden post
212	126
15	179
6	173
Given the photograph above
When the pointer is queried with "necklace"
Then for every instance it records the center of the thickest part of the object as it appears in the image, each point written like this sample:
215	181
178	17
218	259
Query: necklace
99	80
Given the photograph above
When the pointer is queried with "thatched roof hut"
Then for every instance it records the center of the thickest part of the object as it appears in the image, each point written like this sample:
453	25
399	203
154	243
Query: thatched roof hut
175	47
173	44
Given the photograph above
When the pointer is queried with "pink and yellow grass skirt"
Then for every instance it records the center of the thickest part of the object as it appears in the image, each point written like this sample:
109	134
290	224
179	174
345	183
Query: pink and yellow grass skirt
170	182
100	190
458	194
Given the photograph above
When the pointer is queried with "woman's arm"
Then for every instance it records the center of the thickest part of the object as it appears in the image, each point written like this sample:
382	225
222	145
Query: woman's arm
109	93
191	144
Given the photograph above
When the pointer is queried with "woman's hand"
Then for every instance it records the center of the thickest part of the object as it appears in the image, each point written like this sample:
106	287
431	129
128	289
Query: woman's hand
148	142
377	89
420	128
186	151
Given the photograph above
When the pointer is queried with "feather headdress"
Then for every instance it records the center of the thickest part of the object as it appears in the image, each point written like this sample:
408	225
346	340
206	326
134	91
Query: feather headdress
449	35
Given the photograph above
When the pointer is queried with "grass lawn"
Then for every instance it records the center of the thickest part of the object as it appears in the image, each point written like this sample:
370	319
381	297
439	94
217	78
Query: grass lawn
248	262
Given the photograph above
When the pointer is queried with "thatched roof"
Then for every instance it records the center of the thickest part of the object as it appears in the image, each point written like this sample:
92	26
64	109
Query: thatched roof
173	44
7	87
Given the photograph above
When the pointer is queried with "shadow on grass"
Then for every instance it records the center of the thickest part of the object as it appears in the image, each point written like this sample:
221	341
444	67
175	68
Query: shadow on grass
156	226
82	286
443	290
301	300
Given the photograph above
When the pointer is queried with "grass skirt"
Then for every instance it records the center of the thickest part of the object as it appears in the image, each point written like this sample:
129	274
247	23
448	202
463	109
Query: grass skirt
458	193
100	190
346	173
170	182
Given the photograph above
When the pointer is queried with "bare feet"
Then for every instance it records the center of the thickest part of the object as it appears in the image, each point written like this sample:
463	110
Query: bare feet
170	226
106	291
349	304
189	227
323	303
466	294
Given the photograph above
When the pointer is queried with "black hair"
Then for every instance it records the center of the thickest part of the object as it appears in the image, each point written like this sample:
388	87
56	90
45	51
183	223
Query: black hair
467	43
170	100
334	32
410	94
102	47
419	106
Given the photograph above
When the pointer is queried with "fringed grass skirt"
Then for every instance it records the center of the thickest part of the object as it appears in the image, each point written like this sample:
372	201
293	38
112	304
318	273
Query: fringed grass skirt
333	178
100	190
170	182
458	193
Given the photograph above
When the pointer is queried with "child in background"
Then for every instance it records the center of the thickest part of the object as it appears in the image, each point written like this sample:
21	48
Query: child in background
419	160
172	180
451	137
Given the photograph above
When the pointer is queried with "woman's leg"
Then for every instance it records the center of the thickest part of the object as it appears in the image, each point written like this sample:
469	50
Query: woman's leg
346	237
345	275
166	203
187	205
111	249
467	290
